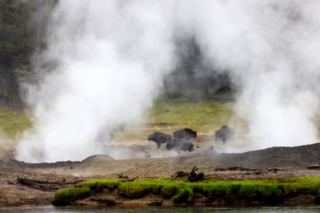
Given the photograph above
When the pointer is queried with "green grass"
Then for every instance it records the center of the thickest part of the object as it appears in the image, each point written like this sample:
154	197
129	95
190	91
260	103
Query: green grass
189	113
13	123
183	191
205	117
65	196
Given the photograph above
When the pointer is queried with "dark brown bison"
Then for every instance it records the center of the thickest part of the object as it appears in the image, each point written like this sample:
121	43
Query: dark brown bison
159	138
179	145
221	135
230	131
104	136
185	133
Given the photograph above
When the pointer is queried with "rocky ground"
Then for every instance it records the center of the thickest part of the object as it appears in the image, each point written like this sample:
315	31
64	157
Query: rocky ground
291	161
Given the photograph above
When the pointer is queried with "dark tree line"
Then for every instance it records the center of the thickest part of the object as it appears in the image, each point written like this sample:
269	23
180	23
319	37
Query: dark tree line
194	73
22	33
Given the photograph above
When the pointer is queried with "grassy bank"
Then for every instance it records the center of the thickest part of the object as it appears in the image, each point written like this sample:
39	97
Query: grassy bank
267	190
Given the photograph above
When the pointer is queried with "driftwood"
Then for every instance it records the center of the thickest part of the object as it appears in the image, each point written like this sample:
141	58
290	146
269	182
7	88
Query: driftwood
121	176
10	183
194	177
130	180
180	174
45	185
236	168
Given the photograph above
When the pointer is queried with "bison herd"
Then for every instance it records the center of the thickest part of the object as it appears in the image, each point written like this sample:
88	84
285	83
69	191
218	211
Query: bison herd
176	144
180	140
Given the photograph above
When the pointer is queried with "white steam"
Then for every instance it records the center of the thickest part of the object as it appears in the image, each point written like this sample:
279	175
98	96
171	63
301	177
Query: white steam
111	58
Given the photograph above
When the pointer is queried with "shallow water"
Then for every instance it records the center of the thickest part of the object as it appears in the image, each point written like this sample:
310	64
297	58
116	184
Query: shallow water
190	209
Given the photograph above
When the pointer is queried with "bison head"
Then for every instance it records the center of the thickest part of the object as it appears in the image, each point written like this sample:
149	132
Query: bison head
151	137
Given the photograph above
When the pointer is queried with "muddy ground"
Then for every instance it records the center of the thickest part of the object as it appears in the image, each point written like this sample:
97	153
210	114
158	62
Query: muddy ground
292	161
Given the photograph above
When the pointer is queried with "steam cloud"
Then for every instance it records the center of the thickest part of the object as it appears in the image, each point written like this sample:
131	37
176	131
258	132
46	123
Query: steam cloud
111	57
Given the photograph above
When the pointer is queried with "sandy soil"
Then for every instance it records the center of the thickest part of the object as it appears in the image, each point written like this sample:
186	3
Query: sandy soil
291	162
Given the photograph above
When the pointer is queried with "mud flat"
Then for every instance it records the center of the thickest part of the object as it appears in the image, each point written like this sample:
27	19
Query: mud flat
289	161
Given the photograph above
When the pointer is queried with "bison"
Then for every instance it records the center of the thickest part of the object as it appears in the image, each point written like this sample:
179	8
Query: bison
230	131
185	133
178	146
221	135
159	138
104	136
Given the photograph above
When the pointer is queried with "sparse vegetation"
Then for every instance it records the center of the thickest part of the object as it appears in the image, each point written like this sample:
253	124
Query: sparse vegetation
267	190
13	123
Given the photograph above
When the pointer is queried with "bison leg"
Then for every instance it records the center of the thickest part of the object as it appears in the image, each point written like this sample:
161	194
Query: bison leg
158	145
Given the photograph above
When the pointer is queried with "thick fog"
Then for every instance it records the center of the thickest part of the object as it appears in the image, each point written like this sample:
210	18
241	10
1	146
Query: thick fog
110	58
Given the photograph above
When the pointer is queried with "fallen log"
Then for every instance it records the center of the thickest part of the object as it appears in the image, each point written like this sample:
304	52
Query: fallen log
236	168
10	183
130	180
47	182
45	185
121	176
313	166
180	174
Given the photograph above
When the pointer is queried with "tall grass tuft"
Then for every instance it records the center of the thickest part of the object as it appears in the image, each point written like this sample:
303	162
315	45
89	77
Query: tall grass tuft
65	196
183	196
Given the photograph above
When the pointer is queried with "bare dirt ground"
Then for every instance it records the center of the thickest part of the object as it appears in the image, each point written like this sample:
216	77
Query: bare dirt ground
291	161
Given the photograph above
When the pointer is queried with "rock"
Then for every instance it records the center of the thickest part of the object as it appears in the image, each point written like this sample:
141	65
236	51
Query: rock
147	155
